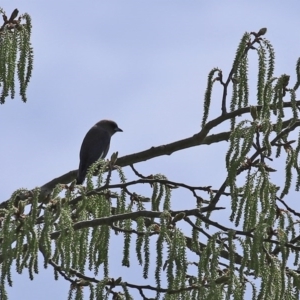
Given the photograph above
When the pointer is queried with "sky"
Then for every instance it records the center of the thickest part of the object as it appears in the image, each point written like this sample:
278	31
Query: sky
143	64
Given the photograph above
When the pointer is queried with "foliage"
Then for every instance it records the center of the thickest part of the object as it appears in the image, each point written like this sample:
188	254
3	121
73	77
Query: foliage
16	54
74	226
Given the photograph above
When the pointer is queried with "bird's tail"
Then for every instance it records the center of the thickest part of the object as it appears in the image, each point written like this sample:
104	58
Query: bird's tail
80	178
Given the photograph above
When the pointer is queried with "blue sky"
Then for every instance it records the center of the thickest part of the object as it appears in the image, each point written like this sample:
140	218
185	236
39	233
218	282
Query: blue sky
143	64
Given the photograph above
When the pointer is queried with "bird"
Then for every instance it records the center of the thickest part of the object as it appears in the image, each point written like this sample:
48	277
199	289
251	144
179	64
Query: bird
95	145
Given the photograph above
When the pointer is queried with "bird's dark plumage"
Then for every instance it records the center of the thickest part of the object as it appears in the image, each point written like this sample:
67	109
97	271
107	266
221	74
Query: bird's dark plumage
95	145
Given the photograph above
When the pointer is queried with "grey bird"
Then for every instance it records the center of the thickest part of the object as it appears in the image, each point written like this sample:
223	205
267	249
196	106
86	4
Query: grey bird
95	145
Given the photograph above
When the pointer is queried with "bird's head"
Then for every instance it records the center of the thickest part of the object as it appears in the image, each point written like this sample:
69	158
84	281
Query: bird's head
110	126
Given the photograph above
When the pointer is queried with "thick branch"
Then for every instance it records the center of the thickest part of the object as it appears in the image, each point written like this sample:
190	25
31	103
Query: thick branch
200	138
121	217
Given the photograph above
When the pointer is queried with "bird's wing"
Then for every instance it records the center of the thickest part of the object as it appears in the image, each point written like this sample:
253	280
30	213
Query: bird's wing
95	145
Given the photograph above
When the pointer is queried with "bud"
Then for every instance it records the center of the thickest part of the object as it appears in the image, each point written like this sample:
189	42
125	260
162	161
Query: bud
222	280
178	217
21	207
114	158
253	112
285	80
235	80
118	281
13	15
262	31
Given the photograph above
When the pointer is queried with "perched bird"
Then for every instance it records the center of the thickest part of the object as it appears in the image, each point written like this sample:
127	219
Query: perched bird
95	145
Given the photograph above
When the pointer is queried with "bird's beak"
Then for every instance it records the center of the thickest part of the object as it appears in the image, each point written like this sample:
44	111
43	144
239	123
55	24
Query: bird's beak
118	129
